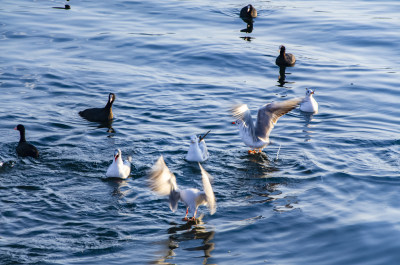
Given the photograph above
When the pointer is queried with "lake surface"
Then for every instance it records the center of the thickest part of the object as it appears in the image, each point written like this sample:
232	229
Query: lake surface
177	67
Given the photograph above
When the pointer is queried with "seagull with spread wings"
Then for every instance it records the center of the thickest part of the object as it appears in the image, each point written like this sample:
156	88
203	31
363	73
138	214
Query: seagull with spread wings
256	136
163	182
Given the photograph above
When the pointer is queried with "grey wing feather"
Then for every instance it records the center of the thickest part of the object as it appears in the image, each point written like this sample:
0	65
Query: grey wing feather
269	114
209	193
246	125
174	198
162	180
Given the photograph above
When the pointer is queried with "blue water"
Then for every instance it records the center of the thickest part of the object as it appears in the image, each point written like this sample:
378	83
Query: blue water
177	67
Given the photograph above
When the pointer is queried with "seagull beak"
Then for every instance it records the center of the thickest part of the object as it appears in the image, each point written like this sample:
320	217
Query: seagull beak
233	122
15	128
312	92
116	157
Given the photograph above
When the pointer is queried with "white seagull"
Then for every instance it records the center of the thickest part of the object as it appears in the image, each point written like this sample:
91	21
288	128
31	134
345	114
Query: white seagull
119	169
163	182
198	149
257	136
309	104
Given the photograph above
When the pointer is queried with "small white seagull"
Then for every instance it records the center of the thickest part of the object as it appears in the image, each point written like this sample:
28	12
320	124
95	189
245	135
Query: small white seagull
257	136
198	149
309	104
119	169
163	182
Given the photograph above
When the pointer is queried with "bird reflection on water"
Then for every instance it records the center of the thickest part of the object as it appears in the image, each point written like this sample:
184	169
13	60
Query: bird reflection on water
118	186
108	125
307	117
282	77
249	28
187	232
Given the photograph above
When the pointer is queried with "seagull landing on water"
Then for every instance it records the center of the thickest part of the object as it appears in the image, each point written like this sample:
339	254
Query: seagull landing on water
257	136
197	149
119	169
163	182
309	104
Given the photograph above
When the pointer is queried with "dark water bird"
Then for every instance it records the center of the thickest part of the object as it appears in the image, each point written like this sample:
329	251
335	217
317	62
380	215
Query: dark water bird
24	148
256	136
163	182
285	59
248	12
100	114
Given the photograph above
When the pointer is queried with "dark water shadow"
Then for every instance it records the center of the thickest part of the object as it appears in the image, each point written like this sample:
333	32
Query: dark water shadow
282	77
108	125
248	29
104	124
67	6
189	231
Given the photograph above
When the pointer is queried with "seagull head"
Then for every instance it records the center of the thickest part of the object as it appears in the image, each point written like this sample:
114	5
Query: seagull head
309	92
194	139
117	154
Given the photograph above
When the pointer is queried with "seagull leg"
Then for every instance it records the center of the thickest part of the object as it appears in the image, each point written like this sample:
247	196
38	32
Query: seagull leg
194	216
259	150
251	151
187	211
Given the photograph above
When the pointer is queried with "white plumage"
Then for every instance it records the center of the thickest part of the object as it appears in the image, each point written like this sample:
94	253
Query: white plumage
198	149
256	136
309	104
119	169
163	182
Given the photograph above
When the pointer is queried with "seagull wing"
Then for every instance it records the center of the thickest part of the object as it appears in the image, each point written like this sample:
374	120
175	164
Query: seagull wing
246	125
269	114
162	180
210	198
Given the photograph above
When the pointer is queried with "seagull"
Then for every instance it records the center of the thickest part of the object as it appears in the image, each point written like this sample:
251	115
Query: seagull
284	59
257	136
197	149
309	104
163	182
119	169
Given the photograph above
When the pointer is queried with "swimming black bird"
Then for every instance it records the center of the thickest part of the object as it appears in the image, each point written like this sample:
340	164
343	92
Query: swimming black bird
285	59
24	148
100	114
248	12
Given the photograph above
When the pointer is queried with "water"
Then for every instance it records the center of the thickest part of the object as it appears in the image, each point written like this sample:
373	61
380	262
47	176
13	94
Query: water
177	67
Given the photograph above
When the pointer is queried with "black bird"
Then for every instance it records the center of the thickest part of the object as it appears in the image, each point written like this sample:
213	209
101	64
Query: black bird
100	114
248	12
24	148
285	59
